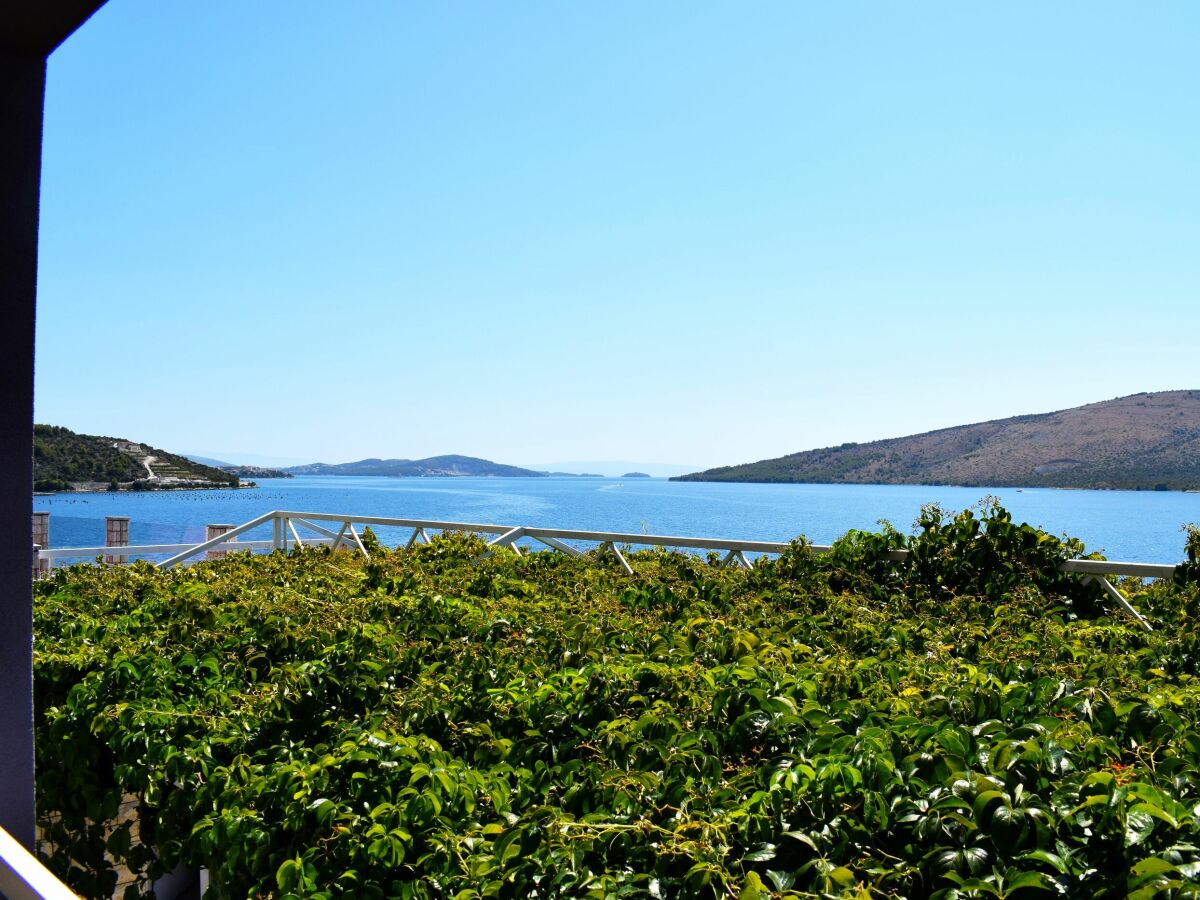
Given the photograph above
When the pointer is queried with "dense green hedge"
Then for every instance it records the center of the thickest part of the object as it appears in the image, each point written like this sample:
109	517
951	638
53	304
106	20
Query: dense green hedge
969	723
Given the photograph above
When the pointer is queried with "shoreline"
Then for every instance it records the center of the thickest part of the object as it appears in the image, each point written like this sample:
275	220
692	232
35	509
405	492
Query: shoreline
675	479
155	490
981	487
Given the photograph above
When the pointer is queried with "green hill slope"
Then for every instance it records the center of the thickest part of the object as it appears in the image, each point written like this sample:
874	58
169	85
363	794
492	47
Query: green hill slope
1144	441
63	459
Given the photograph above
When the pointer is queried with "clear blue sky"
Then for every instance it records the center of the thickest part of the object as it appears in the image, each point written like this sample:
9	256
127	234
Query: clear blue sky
674	232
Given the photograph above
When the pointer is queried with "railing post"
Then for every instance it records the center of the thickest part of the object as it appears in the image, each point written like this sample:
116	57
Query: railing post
116	534
212	531
41	539
277	532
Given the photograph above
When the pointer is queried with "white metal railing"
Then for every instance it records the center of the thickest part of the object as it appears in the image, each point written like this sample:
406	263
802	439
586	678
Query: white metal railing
23	877
286	528
61	553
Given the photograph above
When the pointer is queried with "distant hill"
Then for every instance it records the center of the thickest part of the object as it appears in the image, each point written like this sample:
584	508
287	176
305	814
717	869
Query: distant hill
1140	442
611	468
208	461
64	461
241	471
433	465
254	471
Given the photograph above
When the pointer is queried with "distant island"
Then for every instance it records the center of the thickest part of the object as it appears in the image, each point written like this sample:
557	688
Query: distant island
635	475
66	461
431	466
255	472
1141	442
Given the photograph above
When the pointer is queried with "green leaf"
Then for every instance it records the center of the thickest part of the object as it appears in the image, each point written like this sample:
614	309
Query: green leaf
1053	860
1152	865
983	803
842	876
289	876
1157	812
753	888
1138	825
324	808
1028	880
802	838
782	880
765	853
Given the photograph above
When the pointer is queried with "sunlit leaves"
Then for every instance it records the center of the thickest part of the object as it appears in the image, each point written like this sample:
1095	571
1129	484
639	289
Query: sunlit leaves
971	725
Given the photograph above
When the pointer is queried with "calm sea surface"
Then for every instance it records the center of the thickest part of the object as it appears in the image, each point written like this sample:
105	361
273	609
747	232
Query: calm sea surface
1126	525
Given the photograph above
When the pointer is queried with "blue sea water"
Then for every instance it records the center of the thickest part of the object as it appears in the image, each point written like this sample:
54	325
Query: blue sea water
1125	525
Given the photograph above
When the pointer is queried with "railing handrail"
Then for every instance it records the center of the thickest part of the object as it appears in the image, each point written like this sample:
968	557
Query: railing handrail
1112	567
185	550
285	521
1081	566
23	877
399	523
148	549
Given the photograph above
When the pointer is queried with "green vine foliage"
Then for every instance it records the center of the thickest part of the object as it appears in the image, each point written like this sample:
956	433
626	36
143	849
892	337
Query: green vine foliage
1189	572
967	723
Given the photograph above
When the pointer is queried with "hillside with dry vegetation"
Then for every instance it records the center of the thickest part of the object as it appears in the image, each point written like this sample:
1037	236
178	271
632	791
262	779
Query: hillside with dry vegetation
1139	442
